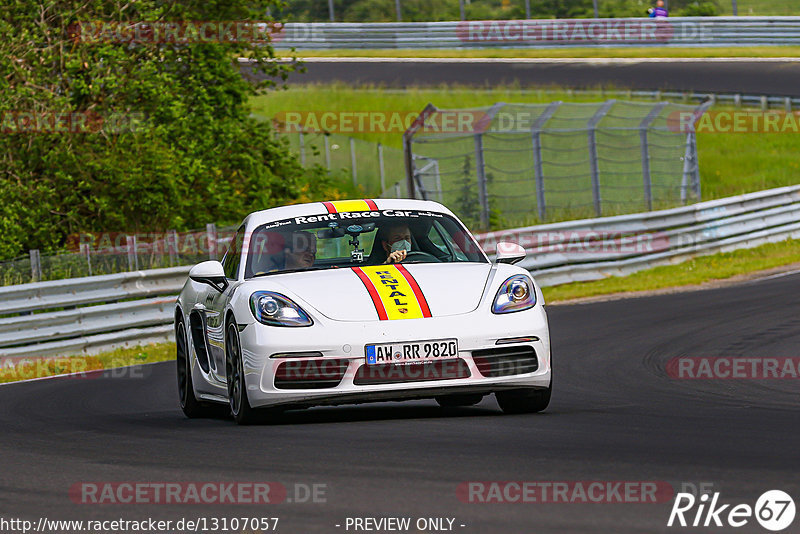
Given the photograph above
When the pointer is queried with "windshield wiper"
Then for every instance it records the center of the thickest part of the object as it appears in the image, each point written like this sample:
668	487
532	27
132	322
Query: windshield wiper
284	271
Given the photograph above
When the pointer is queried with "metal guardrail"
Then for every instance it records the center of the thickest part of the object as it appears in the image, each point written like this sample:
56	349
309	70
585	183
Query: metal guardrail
594	249
134	308
88	315
541	33
26	298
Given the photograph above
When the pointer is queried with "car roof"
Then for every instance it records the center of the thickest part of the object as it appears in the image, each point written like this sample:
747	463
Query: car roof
320	208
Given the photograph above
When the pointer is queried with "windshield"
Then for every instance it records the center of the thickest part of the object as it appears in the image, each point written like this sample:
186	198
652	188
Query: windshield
339	240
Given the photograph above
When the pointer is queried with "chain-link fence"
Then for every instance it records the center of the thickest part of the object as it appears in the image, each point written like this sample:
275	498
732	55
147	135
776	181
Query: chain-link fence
109	253
518	164
377	170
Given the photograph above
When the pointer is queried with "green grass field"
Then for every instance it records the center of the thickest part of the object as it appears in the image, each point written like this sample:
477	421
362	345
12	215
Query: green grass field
577	52
730	164
761	7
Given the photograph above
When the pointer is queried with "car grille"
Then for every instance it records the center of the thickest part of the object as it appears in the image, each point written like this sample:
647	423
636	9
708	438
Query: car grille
310	374
506	361
369	375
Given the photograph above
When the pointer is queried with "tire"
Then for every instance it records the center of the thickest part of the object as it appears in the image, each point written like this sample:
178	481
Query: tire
528	400
191	407
241	410
454	401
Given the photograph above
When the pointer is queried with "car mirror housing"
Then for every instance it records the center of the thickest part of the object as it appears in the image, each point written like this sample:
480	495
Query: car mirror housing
211	273
510	253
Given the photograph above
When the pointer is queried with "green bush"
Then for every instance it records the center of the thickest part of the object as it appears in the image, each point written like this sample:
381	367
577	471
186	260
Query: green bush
700	9
189	154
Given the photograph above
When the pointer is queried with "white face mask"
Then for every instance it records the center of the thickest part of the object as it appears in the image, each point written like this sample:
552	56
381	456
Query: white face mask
403	244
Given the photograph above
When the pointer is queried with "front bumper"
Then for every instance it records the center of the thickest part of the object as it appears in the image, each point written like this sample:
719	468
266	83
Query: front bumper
344	343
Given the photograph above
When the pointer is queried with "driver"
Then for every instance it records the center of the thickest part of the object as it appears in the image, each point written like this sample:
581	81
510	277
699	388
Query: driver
301	250
396	242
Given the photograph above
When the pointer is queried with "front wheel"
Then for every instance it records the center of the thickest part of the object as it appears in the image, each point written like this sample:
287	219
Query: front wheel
241	410
191	407
527	400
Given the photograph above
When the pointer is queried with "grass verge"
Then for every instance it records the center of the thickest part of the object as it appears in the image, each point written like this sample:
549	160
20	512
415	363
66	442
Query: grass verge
44	366
700	270
582	52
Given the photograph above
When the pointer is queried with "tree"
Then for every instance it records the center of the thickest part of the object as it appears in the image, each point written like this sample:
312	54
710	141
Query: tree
172	143
467	200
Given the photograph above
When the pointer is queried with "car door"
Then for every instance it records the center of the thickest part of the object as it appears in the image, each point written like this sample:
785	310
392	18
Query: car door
216	303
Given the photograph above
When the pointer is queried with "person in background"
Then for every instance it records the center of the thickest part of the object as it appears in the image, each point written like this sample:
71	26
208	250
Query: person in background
658	12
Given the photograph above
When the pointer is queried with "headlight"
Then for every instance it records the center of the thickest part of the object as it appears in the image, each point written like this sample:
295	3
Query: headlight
516	294
276	310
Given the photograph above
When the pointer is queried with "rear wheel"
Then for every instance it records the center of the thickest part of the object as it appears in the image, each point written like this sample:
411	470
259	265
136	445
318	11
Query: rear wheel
189	404
528	400
454	401
242	412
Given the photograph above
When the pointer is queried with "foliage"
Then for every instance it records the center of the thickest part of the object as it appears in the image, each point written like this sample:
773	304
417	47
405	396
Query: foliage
186	152
700	9
467	202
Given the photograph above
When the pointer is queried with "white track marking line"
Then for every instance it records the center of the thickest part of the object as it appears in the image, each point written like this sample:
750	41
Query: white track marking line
539	60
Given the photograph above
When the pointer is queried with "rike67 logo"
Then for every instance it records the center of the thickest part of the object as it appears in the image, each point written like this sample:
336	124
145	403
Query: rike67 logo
774	510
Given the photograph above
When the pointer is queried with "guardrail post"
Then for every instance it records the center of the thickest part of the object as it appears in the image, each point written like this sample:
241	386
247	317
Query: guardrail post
483	192
380	168
330	10
172	247
691	169
133	256
645	147
538	171
408	152
302	149
764	103
353	161
595	166
211	239
787	104
86	250
36	265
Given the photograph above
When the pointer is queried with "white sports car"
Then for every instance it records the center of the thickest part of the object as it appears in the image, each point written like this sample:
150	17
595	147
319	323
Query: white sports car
360	301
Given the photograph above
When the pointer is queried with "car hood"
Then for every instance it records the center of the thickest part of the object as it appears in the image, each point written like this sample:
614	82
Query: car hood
345	294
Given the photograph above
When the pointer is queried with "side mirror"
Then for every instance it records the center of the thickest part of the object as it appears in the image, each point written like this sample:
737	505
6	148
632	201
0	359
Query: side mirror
510	253
211	273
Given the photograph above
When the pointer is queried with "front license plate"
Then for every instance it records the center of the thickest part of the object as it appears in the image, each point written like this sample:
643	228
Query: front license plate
412	352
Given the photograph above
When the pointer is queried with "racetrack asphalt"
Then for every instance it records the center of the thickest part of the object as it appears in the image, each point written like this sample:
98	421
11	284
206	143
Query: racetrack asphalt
778	77
615	416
